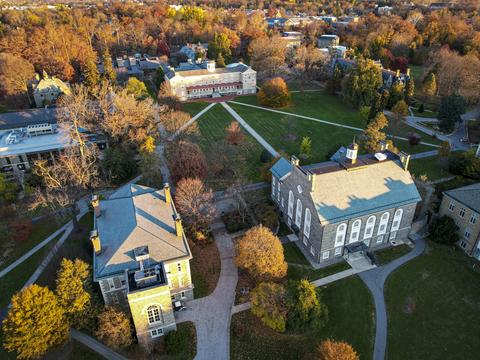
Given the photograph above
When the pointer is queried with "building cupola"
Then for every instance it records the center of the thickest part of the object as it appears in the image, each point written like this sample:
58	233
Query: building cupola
352	151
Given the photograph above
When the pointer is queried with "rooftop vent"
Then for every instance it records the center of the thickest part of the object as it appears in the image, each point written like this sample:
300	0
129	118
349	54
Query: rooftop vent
147	277
141	253
380	156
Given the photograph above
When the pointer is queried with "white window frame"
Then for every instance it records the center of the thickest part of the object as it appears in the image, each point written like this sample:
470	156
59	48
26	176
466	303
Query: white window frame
338	251
355	231
154	314
305	241
307	222
368	233
155	333
111	283
312	250
462	211
290	204
298	213
380	238
283	202
467	234
473	218
393	235
397	219
382	226
273	186
325	255
182	295
340	234
451	206
463	244
278	191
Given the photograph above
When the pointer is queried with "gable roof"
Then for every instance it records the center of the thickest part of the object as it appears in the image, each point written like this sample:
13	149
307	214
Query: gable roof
468	195
343	194
136	216
281	168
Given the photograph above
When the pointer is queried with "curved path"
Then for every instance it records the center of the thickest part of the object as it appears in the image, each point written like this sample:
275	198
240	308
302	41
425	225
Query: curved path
212	314
375	280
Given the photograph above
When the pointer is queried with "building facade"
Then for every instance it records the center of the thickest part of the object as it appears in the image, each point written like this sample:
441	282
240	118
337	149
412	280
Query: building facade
332	205
203	79
463	206
142	257
47	89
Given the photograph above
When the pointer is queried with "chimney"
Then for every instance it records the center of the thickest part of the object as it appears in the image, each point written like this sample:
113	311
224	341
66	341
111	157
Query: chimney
408	72
352	151
294	160
383	145
168	194
178	226
398	73
311	179
404	159
96	205
95	239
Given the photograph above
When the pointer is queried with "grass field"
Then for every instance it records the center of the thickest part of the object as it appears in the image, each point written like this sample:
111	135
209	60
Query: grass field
211	129
385	256
351	318
193	108
433	307
428	166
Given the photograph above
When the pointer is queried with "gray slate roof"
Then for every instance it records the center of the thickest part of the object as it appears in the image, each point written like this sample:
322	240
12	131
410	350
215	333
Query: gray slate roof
19	119
341	195
281	168
467	195
136	216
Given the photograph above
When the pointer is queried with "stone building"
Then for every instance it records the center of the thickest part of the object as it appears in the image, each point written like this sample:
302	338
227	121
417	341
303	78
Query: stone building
351	203
47	89
194	80
141	257
463	206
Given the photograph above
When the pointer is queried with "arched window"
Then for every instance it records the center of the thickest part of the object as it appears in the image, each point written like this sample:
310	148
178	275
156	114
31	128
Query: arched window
355	232
298	213
397	219
154	314
340	237
369	227
278	191
273	186
306	223
382	227
290	204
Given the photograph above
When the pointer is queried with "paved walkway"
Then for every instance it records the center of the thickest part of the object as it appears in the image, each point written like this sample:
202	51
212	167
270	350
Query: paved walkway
191	121
375	280
93	344
252	132
212	314
322	121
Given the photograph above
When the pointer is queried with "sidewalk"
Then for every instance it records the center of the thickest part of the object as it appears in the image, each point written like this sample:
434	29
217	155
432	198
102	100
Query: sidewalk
191	121
96	346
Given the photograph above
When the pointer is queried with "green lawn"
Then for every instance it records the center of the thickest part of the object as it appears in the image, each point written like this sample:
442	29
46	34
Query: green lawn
425	113
40	231
351	318
193	108
385	256
428	166
293	254
433	307
211	129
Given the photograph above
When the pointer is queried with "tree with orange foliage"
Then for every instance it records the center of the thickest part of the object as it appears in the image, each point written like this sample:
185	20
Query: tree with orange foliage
335	350
260	252
234	134
274	93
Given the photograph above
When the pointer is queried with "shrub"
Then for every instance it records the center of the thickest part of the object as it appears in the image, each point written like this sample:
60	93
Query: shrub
268	303
265	156
234	222
20	229
274	93
421	108
443	231
114	328
414	139
119	164
335	350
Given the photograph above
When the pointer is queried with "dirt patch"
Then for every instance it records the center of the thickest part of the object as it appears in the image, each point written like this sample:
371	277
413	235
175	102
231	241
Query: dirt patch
409	306
290	137
205	268
245	285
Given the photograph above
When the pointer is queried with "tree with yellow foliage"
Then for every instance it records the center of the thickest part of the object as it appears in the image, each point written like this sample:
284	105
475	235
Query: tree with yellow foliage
335	350
35	323
274	93
260	252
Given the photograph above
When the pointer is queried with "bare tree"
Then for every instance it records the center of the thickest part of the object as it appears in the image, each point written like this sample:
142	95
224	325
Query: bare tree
173	120
195	203
307	64
267	55
71	176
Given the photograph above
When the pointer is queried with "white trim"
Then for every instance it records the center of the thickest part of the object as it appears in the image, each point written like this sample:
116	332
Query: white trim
369	226
340	234
298	213
307	222
382	227
355	231
397	219
325	255
155	333
290	204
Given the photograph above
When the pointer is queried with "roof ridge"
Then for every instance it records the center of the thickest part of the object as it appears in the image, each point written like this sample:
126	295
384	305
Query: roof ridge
156	237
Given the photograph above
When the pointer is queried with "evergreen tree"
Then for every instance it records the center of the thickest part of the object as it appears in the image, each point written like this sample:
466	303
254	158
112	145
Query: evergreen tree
91	75
159	77
35	323
451	109
409	90
220	61
334	84
363	82
220	45
306	146
108	72
71	290
396	94
373	133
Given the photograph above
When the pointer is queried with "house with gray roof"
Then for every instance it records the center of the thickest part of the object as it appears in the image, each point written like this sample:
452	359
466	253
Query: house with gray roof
463	206
141	257
335	206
